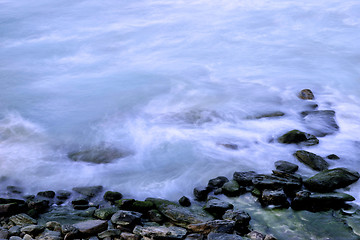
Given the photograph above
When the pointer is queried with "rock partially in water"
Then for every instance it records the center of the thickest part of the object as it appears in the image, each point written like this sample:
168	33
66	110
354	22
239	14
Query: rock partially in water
184	201
270	115
161	232
296	136
126	219
91	227
201	193
306	94
90	191
312	160
274	197
321	123
219	226
110	233
271	182
217	207
285	166
105	213
332	157
15	189
329	180
97	155
223	236
32	230
241	219
46	194
232	189
230	146
244	178
112	196
217	182
50	235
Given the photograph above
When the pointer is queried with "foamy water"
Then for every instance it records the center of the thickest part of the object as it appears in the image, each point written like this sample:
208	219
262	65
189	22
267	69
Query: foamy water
169	82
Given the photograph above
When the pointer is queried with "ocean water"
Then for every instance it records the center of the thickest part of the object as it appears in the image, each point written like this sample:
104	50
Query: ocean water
169	82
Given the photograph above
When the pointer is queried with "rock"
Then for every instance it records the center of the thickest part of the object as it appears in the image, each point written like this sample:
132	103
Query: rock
244	178
195	236
269	237
241	219
110	233
255	235
67	228
230	146
217	182
285	166
142	206
27	237
88	191
81	207
129	236
219	226
50	235
15	231
270	115
321	123
329	180
80	201
91	227
126	219
15	238
306	94
63	195
112	196
273	182
33	230
105	213
232	189
296	136
217	207
333	157
97	155
312	160
125	204
184	201
274	197
4	234
11	208
53	226
160	232
15	189
22	219
155	216
201	193
181	216
46	194
39	205
223	236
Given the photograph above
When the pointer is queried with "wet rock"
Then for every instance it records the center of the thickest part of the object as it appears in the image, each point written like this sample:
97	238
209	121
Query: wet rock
181	216
15	238
232	189
155	216
219	226
333	157
223	236
125	204
321	123
91	227
244	178
15	231
195	236
241	219
46	194
184	201
80	201
129	236
285	166
201	193
69	230
286	175
306	94
217	182
217	207
63	195
126	219
329	180
142	206
15	189
22	219
50	235
53	226
39	205
11	208
269	237
97	155
27	237
230	146
312	160
111	233
105	213
274	197
89	192
4	234
255	235
273	183
160	232
270	115
33	230
296	136
112	196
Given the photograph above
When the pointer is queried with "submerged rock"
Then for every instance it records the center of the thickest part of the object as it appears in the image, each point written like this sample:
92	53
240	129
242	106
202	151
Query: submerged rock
285	166
270	115
312	160
241	219
321	122
184	201
329	180
296	136
46	194
274	197
90	191
97	155
306	94
332	157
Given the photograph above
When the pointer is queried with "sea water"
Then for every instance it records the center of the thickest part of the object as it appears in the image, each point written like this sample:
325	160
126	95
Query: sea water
170	82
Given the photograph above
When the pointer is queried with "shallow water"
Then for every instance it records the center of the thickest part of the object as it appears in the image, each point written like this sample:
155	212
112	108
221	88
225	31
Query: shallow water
169	82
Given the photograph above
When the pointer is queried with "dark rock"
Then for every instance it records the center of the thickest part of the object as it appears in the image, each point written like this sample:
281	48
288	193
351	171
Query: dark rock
53	226
4	233
217	182
241	219
112	196
91	227
11	209
63	195
270	115
201	193
110	233
181	216
321	123
223	236
126	219
81	207
14	189
269	237
160	232
105	213
286	175
255	235
80	201
273	182
232	189
230	146
195	236
306	94
142	206
125	204
285	166
244	178
22	220
155	216
184	201
33	230
333	157
274	197
88	191
296	136
39	205
15	238
46	194
217	207
67	228
219	226
97	155
129	236
15	231
50	235
312	160
329	180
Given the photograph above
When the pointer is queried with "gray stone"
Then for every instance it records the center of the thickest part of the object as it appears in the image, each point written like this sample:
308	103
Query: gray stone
332	157
195	236
50	235
53	226
285	166
244	178
155	216
217	182
97	155
241	219
217	207
129	236
255	235
126	218
15	230
223	236
306	94
274	197
321	123
90	192
22	219
15	238
33	230
63	195
220	226
91	227
161	232
296	136
4	233
312	160
105	213
110	233
232	189
27	237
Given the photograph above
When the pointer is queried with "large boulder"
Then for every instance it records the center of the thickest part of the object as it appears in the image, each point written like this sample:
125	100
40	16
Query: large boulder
296	136
160	232
312	160
321	123
329	180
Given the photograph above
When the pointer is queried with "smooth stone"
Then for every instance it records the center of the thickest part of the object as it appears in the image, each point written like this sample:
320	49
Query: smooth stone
201	193
39	205
4	233
223	236
22	219
255	235
160	232
219	226
15	230
105	213
321	123
91	227
230	146
217	207
126	218
63	195
50	235
90	192
155	216
46	194
32	230
129	236
312	160
285	166
110	233
244	178
112	196
273	182
97	155
306	94
232	189
332	157
53	226
184	201
195	236
329	180
27	237
296	136
270	115
217	182
80	201
15	238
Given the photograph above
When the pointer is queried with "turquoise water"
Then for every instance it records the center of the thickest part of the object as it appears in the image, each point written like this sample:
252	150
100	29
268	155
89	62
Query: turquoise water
169	82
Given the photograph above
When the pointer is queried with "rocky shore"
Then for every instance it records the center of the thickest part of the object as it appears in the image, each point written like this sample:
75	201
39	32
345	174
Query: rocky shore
211	213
